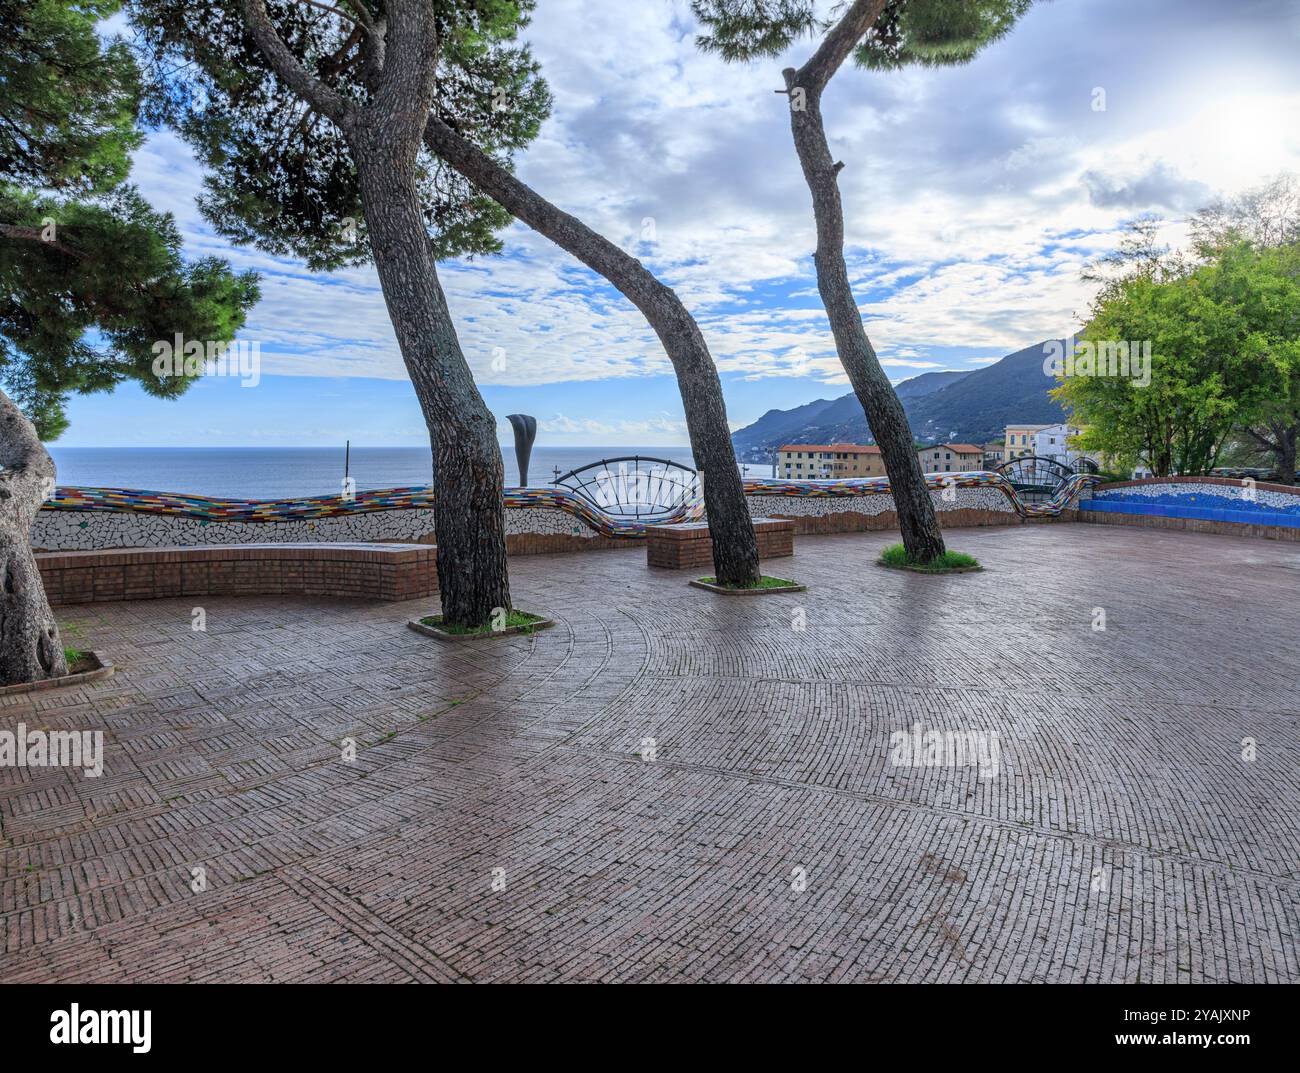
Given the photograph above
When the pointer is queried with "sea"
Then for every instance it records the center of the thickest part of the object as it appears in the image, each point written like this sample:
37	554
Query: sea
290	472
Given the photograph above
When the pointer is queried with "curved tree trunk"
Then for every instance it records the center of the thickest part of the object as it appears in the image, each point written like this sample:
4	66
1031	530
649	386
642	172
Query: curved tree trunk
384	136
885	416
469	511
735	548
30	646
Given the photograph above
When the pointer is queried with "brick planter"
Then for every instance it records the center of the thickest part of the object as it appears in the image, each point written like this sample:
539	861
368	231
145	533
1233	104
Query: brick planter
676	547
100	668
363	571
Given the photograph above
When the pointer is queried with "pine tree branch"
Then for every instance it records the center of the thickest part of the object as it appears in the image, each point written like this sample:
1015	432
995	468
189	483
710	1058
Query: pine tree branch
838	45
33	234
286	66
355	20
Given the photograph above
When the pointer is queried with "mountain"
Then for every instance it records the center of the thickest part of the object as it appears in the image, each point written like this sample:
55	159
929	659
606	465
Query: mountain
971	407
926	384
755	442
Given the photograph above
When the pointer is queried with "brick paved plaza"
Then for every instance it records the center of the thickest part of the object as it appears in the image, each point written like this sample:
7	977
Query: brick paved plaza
1123	838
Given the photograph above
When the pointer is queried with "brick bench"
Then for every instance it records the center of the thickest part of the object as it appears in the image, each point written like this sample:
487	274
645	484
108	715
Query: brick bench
676	547
364	571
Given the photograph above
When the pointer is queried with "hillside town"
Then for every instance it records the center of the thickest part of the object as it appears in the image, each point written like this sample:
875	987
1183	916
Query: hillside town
833	461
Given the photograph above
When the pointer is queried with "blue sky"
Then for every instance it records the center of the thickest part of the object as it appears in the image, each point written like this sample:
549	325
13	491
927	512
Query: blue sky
973	196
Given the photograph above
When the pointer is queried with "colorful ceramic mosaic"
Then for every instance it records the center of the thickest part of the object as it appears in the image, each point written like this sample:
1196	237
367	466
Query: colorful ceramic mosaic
209	509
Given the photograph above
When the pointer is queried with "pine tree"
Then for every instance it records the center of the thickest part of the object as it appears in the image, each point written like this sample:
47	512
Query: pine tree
90	276
879	35
310	122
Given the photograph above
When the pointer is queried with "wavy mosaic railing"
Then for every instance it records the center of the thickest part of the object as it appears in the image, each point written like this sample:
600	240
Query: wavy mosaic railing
210	509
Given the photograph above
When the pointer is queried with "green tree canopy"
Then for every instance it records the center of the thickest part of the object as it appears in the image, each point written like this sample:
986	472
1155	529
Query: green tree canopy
90	276
68	101
1223	342
926	33
280	176
90	286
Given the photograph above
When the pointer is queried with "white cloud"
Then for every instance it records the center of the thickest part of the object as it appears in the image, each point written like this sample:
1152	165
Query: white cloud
972	195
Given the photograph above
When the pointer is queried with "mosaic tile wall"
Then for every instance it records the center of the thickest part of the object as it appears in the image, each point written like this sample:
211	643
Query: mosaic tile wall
1203	500
86	519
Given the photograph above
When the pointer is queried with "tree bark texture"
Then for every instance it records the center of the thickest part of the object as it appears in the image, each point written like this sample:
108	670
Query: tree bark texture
385	137
30	646
917	517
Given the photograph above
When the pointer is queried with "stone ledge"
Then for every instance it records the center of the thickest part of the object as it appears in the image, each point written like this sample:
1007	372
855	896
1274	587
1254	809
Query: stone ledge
687	544
360	571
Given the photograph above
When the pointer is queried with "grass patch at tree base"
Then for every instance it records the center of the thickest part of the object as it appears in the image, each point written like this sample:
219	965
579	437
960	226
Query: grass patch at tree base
78	661
764	584
83	666
515	621
950	562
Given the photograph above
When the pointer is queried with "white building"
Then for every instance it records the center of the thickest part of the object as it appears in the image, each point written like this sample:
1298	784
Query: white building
1052	442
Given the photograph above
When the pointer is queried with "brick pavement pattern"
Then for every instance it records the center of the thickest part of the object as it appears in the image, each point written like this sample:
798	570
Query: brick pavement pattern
504	818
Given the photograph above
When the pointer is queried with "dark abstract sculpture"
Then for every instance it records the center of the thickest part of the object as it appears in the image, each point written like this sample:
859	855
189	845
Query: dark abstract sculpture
525	432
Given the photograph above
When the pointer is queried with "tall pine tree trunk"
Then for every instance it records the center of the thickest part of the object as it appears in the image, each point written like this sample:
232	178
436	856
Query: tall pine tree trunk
30	646
735	548
888	423
384	136
469	513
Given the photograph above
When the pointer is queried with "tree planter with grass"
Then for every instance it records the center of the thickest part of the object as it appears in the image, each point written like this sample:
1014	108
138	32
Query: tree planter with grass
896	557
497	626
83	667
766	585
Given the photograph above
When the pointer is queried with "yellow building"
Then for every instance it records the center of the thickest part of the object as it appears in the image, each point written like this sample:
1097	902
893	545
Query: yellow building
819	462
1019	442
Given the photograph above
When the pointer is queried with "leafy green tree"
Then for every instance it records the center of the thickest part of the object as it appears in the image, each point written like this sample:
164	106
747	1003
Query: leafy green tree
90	276
879	35
1266	217
89	287
1223	343
67	100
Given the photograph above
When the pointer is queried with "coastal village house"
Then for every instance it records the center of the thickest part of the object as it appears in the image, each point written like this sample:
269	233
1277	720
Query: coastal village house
812	461
1053	442
952	458
819	462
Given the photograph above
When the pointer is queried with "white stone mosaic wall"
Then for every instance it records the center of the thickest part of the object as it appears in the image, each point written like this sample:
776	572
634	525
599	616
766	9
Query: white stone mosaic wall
1231	495
68	530
815	506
